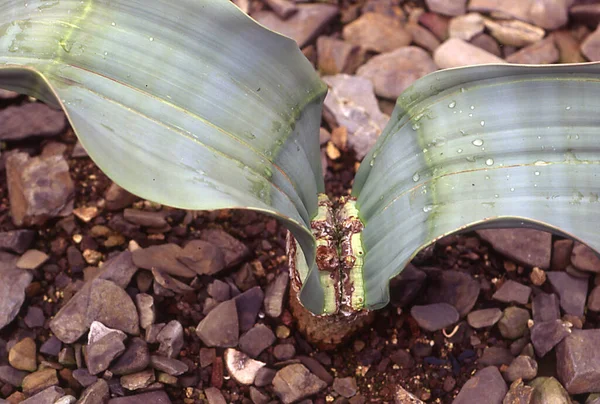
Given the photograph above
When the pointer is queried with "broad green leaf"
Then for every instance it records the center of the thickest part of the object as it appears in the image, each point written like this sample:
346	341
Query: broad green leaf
485	146
188	103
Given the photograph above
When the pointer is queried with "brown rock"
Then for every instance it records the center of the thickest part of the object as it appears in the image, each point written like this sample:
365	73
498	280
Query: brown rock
283	8
423	37
22	355
549	14
561	254
445	7
336	56
377	33
40	380
204	257
30	119
487	383
13	282
588	14
456	53
514	32
516	9
467	26
118	198
518	393
542	52
295	382
577	358
568	47
154	397
527	246
435	23
584	258
590	47
234	251
487	43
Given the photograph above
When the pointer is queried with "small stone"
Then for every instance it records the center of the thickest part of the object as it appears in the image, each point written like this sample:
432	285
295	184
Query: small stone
118	198
256	340
487	382
241	367
234	251
452	8
513	323
219	290
405	287
119	269
571	291
163	257
264	377
139	380
170	339
401	396
518	393
11	376
336	56
47	396
541	52
295	382
220	327
97	393
31	119
345	386
214	396
495	356
32	259
86	214
100	353
155	220
548	390
514	33
456	288
13	282
257	397
527	246
135	358
154	397
376	32
38	381
545	307
512	292
84	377
422	36
275	295
17	241
590	47
537	276
456	53
8	95
34	317
548	334
146	309
466	27
164	378
561	254
577	359
51	347
284	352
584	258
248	305
207	356
153	331
593	302
22	355
170	366
484	318
523	367
434	317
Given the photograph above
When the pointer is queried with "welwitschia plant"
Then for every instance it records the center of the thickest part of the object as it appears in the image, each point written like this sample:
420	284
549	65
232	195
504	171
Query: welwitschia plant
191	104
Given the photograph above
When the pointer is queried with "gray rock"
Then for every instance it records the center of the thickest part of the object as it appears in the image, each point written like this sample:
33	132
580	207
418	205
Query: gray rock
264	377
118	198
451	8
96	393
512	291
47	396
170	339
284	352
486	387
98	300
34	317
100	353
153	331
545	307
526	246
84	377
17	241
546	335
139	380
31	119
135	358
203	257
256	340
169	283
51	347
275	295
572	291
214	396
146	218
248	305
456	53
154	397
170	366
484	318
219	290
513	323
434	317
295	382
523	367
495	356
405	287
119	269
207	356
39	188
577	358
345	386
13	282
220	327
456	288
547	390
12	376
584	258
234	251
146	310
241	367
466	27
163	257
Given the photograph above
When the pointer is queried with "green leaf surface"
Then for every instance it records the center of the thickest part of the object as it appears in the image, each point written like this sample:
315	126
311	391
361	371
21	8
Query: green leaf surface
484	146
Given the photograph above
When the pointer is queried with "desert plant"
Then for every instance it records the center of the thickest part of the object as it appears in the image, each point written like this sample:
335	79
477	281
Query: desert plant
191	104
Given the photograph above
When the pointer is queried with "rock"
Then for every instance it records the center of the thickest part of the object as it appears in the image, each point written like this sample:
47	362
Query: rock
548	14
486	386
170	366
38	381
135	358
303	26
168	283
283	8
32	259
248	305
220	327
22	355
405	287
484	318
495	356
256	340
548	390
170	339
13	282
47	396
118	198
537	276
39	188
17	241
527	246
139	380
84	377
456	53
12	376
523	367
545	307
513	323
435	23
284	352
119	269
163	257
422	37
51	347
219	290
593	302
514	33
264	377
377	33
234	251
542	52
466	27
34	317
571	291
336	56
487	43
275	295
351	103
97	393
295	382
241	367
577	359
518	393
315	367
401	396
434	317
98	300
152	332
584	258
154	397
512	292
561	254
8	95
146	309
214	396
101	352
203	257
548	334
145	218
452	8
393	72
257	397
456	288
30	119
345	386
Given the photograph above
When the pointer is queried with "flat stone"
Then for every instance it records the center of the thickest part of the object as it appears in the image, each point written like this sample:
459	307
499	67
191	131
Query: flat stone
118	198
31	119
546	335
393	72
146	309
100	353
335	56
457	53
154	397
486	386
275	295
523	367
484	318
435	23
512	292
12	376
577	359
97	393
264	377
434	317
203	257
514	33
545	307
256	340
455	7
13	282
139	380
214	396
518	393
593	303
32	259
135	358
422	36
47	396
561	254
163	257
170	366
219	290
17	241
527	246
466	27
405	287
37	381
248	305
584	258
84	377
548	390
34	317
495	356
170	339
303	26
98	300
284	352
119	269
571	291
23	355
152	332
39	188
377	33
541	52
345	386
545	13
168	282
146	218
295	382
234	251
456	288
8	95
220	327
241	367
513	323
